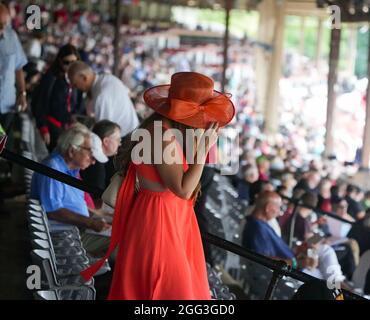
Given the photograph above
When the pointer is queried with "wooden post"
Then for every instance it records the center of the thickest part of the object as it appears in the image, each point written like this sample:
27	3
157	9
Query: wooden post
271	110
228	6
365	157
117	55
332	79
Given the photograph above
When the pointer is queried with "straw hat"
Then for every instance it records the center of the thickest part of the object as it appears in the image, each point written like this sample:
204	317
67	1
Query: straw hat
191	99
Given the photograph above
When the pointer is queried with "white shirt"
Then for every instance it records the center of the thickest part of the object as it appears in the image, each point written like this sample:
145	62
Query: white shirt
274	224
338	228
111	101
34	49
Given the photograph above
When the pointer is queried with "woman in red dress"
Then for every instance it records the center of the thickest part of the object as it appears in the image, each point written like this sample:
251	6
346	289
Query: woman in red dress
160	254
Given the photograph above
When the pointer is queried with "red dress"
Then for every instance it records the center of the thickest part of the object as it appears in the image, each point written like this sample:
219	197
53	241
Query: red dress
160	253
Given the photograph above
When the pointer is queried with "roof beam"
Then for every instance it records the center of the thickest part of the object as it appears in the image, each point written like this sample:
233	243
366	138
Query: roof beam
305	8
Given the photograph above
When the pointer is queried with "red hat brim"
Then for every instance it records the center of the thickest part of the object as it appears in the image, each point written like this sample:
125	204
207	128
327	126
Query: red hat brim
157	99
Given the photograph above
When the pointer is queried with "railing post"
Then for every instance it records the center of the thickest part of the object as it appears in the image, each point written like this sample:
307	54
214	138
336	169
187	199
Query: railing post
277	274
292	224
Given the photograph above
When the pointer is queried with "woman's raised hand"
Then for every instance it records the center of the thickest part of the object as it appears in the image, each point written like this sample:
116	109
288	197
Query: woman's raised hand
208	138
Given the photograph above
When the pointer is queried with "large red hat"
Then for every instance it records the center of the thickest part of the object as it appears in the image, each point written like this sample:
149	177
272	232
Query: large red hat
191	99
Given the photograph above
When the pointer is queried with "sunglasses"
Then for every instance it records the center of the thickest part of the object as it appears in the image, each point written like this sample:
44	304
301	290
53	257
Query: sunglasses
68	62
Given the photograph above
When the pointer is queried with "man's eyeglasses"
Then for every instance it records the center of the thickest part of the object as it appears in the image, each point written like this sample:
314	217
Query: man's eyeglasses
84	148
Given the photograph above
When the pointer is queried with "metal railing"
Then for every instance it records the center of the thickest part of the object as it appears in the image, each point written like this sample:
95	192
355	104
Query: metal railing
298	203
279	268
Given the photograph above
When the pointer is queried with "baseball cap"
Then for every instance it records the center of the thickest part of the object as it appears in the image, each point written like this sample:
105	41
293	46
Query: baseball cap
97	149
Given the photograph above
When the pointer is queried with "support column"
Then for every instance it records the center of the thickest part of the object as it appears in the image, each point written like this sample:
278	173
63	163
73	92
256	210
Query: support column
116	43
153	11
365	157
271	111
228	6
352	48
319	42
332	80
265	37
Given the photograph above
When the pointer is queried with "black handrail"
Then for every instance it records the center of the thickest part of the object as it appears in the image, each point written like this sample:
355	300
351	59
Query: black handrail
267	262
319	211
297	203
52	173
279	267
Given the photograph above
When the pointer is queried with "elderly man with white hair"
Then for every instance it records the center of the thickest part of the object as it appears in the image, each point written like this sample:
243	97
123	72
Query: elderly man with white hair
110	97
75	150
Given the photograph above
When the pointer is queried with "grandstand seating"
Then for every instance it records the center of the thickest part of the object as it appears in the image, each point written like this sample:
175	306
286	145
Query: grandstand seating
359	276
58	251
223	205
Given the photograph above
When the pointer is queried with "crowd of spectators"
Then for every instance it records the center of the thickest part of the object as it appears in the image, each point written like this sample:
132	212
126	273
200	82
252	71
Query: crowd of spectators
59	98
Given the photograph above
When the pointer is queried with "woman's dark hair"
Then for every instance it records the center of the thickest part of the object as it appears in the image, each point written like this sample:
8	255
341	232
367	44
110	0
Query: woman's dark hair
105	128
334	190
66	50
123	158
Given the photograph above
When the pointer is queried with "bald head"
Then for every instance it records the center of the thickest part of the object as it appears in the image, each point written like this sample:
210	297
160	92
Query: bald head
79	67
267	205
4	18
81	76
266	197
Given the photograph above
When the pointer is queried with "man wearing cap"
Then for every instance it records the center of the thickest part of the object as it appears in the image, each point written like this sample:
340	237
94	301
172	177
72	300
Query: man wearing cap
76	149
99	174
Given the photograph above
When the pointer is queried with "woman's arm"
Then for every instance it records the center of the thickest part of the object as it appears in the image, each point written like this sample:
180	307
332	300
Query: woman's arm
173	176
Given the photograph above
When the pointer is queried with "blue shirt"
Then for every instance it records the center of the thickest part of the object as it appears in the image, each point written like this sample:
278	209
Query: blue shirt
259	237
12	58
55	195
